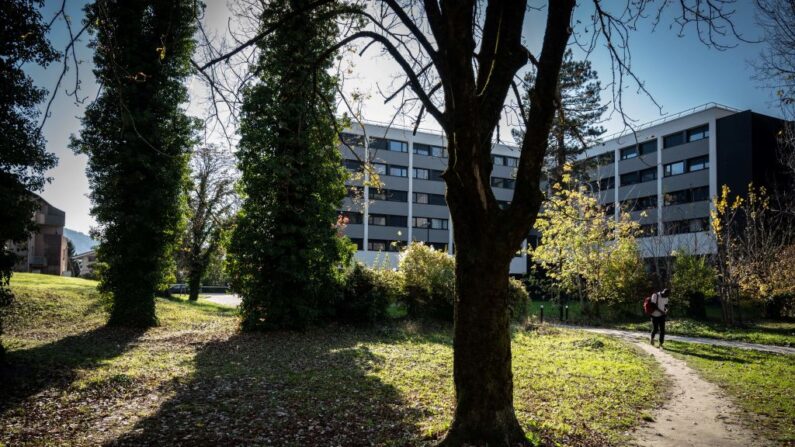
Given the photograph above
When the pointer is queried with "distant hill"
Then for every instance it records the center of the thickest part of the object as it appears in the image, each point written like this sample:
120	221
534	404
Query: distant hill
81	241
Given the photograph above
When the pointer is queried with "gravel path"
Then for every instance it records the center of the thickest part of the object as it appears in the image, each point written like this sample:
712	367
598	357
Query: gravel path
696	414
224	299
633	335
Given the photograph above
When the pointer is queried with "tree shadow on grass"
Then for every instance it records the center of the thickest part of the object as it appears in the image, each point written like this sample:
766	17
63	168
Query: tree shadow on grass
29	371
286	389
714	353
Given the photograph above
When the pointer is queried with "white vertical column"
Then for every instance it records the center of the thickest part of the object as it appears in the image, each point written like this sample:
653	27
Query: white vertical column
366	189
411	190
660	200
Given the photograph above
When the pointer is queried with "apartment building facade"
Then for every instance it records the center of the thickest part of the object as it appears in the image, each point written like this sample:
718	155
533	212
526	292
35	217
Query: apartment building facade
46	250
666	173
410	203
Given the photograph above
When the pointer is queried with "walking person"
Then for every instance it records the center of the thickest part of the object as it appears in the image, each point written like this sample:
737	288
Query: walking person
659	313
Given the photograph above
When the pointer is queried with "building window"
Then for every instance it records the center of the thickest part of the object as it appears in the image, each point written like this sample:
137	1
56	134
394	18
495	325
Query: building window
498	160
648	174
398	171
439	224
511	161
358	241
648	147
427	149
351	139
648	230
673	140
352	165
630	178
698	163
421	198
629	152
420	222
353	217
698	133
377	219
422	174
687	226
390	145
389	195
641	203
700	194
379	168
377	245
499	182
674	168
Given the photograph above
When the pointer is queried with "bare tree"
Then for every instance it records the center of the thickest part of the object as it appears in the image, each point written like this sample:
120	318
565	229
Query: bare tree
212	202
460	60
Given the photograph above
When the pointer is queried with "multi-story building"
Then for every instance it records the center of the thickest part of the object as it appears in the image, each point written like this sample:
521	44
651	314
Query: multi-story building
410	203
85	261
666	172
45	250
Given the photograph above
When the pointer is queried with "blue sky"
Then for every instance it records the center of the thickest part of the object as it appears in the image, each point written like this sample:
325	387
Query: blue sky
680	72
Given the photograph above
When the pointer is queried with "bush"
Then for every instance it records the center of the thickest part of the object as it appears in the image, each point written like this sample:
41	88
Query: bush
693	281
366	295
429	285
429	281
518	299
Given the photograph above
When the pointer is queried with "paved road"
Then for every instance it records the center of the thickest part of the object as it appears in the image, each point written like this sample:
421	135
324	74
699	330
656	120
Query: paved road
704	341
224	299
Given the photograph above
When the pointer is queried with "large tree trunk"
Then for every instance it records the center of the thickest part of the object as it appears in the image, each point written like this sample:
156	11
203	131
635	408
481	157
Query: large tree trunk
194	283
484	413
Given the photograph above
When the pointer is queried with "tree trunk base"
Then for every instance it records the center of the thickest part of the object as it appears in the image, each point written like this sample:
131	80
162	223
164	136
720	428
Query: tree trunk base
506	433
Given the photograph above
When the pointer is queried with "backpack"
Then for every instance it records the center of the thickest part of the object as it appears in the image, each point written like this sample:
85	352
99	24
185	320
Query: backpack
648	306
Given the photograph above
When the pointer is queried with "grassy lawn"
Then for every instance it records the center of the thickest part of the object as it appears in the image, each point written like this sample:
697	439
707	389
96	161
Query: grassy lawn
196	380
763	384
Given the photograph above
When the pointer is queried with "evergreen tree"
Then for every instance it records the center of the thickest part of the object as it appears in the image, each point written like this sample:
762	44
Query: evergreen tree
578	113
23	158
285	251
137	138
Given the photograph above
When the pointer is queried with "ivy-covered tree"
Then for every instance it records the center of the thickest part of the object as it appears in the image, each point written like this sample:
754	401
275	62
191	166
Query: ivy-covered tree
137	138
578	112
286	253
23	157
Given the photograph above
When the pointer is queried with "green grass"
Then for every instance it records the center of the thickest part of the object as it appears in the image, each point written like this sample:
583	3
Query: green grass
762	384
196	380
763	332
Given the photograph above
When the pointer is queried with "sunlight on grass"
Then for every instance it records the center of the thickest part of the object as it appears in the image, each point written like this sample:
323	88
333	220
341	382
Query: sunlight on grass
392	385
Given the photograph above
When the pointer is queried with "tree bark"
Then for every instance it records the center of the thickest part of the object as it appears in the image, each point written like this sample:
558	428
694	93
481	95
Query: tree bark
482	371
194	282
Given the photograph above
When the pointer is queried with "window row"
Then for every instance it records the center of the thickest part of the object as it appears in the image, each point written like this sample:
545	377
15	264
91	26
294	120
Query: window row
426	198
639	203
644	175
507	183
687	226
351	139
694	134
684	166
428	174
378	244
504	160
603	184
647	230
394	195
691	195
430	222
648	147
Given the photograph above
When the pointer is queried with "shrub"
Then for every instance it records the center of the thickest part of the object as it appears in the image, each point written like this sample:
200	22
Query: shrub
429	285
366	294
518	299
429	281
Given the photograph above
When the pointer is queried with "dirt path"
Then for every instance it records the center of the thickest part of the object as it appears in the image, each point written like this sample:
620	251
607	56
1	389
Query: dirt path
697	413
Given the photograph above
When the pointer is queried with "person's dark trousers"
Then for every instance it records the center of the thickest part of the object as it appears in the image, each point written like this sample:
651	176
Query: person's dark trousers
658	325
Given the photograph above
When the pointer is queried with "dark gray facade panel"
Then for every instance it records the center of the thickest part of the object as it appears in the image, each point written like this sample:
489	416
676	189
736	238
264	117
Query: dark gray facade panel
685	151
637	190
637	163
687	180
